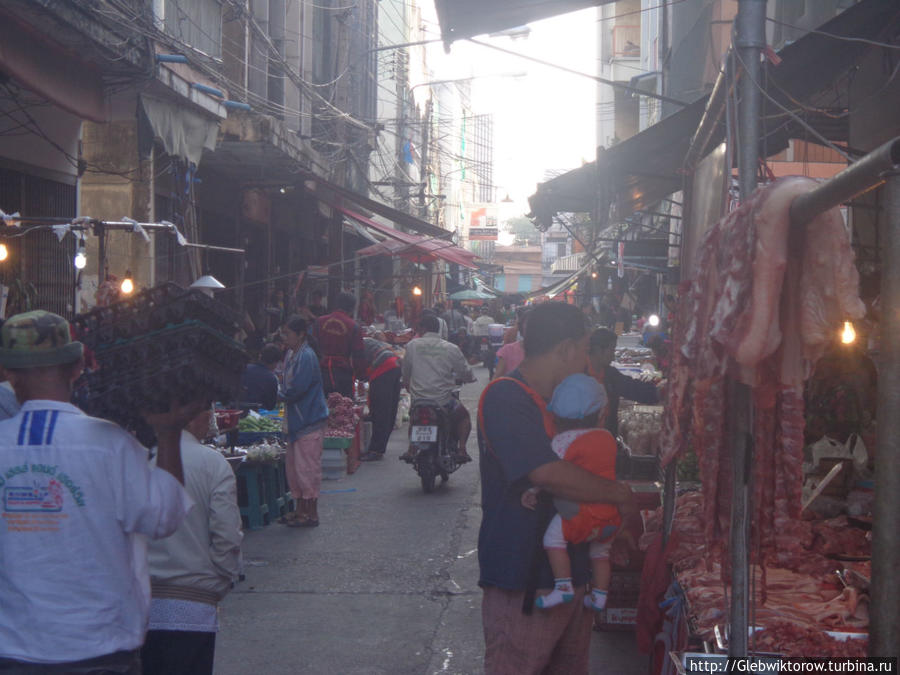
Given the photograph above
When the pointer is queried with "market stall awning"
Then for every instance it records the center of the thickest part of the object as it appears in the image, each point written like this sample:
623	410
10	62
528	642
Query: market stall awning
339	197
470	294
462	19
410	246
633	174
423	251
561	286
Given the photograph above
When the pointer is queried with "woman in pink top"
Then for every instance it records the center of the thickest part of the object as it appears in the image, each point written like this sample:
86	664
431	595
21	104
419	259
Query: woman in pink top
510	355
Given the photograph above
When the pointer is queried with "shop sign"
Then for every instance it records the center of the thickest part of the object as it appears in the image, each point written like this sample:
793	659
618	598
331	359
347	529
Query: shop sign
483	234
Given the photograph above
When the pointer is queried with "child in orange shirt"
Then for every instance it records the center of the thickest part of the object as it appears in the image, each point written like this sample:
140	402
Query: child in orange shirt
579	403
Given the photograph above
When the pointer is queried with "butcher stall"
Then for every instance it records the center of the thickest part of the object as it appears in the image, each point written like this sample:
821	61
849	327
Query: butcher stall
793	524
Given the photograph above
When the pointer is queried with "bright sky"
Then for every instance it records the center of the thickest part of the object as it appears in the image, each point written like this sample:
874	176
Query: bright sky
544	120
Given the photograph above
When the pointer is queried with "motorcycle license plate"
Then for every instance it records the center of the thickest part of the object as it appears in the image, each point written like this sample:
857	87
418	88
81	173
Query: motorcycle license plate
423	434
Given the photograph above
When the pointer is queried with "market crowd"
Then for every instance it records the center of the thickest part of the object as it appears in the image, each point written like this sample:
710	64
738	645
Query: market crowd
115	558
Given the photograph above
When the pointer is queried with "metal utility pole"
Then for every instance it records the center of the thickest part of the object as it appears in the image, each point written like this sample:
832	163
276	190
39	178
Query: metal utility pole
423	174
884	630
751	40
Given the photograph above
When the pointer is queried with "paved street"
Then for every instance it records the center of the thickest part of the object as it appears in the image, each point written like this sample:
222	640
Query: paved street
386	584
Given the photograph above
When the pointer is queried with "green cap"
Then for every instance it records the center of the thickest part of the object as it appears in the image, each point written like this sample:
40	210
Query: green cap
36	339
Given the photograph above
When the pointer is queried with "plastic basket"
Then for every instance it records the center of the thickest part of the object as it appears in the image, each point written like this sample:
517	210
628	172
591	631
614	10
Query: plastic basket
621	604
334	462
337	442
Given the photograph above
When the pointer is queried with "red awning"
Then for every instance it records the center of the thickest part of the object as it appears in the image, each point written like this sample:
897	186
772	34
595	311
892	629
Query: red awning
410	246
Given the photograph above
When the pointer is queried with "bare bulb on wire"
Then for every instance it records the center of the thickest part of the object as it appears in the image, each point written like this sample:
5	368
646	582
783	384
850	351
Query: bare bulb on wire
848	335
80	260
4	252
127	285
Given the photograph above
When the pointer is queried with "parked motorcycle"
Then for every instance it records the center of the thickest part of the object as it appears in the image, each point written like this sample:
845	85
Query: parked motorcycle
432	443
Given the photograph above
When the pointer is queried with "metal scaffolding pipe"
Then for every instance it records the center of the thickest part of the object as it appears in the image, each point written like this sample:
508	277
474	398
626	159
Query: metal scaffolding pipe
750	41
884	613
857	178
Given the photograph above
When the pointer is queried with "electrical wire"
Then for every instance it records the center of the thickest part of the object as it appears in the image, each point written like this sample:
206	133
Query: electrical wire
572	71
795	117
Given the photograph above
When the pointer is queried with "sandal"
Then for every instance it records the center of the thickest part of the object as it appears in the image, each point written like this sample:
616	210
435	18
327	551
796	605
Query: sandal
306	522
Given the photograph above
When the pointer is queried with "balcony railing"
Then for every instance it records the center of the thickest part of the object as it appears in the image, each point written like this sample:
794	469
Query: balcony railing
568	263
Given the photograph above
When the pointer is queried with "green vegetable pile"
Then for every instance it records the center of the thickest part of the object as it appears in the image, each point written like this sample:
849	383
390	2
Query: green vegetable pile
258	424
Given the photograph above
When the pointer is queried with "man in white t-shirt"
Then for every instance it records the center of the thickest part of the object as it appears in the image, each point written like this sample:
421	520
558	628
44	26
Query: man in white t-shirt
79	500
483	321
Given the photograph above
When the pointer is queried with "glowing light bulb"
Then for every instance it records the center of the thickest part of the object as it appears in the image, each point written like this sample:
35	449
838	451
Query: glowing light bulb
127	285
417	290
653	320
593	275
4	252
80	258
848	335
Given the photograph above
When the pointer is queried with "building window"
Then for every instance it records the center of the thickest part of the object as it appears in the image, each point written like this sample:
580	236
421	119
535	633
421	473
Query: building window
197	23
561	249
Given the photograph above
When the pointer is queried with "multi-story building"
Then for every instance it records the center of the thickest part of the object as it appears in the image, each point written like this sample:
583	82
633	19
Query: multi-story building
246	124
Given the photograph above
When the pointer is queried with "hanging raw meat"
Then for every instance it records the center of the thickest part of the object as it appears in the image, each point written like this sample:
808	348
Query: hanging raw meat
764	302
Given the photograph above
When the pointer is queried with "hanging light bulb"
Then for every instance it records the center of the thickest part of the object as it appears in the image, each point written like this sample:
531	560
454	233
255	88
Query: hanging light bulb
848	335
4	252
127	285
417	291
593	275
80	260
653	320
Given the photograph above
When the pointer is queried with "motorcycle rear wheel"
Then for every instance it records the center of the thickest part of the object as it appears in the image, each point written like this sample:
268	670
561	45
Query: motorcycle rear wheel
425	469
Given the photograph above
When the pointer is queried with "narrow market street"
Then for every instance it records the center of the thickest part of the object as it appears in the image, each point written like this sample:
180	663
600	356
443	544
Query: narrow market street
386	584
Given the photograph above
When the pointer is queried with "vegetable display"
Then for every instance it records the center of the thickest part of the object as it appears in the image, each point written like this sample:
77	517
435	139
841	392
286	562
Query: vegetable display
258	424
343	416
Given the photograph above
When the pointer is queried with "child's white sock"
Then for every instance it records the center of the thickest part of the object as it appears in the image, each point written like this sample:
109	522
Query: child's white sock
596	600
562	592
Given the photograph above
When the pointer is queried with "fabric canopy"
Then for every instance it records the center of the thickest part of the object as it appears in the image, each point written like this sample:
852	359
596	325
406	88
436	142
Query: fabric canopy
334	195
469	294
410	246
424	251
182	132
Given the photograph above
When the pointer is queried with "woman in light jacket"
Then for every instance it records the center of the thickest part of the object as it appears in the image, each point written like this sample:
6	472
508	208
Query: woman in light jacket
307	414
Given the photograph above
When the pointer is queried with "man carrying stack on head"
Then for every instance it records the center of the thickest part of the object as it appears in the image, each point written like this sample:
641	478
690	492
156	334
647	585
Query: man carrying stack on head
78	499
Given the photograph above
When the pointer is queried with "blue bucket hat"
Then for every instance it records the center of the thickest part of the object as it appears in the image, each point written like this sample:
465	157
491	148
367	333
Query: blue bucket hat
577	397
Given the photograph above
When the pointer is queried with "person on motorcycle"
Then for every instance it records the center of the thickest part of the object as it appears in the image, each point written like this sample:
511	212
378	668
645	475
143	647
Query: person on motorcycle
453	316
431	369
483	321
